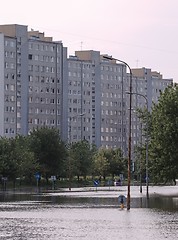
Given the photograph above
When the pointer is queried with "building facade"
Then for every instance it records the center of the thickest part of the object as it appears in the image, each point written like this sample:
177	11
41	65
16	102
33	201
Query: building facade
99	105
97	100
149	84
33	74
84	96
46	68
14	80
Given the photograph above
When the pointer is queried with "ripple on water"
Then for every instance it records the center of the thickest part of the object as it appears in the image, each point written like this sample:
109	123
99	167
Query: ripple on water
88	223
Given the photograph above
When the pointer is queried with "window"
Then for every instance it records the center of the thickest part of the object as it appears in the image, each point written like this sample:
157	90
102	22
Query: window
52	48
12	44
6	130
37	68
30	78
12	98
30	89
30	45
6	65
36	57
30	67
30	56
12	66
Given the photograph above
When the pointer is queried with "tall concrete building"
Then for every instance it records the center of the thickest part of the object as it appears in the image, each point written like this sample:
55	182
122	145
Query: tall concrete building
98	103
32	77
84	96
13	80
47	73
97	100
149	84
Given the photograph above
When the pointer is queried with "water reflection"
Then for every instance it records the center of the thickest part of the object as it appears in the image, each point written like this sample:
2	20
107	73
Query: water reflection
88	214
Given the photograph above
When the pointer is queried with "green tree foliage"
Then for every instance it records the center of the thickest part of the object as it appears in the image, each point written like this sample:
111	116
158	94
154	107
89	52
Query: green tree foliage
101	163
164	137
16	159
117	163
109	161
49	150
5	152
140	150
80	156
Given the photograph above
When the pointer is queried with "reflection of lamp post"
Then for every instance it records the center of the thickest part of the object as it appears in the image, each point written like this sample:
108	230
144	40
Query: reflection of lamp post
147	182
129	139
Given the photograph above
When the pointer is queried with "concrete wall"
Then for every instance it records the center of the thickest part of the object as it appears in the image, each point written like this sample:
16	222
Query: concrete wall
1	85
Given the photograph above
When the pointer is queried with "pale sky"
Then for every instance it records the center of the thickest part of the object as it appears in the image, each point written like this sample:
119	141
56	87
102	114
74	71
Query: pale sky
143	33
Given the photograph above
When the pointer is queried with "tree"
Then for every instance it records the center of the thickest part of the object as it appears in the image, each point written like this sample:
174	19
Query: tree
80	155
49	151
164	137
117	163
101	163
5	157
141	149
16	159
24	157
109	161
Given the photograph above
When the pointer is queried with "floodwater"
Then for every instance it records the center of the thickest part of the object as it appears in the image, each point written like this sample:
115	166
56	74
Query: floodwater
89	213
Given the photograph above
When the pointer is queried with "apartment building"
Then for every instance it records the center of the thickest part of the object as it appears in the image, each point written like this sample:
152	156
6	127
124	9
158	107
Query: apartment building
13	80
99	104
47	74
147	85
84	96
97	100
32	76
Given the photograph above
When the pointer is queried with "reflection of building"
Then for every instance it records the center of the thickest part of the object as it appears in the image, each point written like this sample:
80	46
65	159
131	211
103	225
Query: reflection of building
83	96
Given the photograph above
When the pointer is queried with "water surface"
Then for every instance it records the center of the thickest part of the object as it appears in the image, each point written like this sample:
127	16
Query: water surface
89	214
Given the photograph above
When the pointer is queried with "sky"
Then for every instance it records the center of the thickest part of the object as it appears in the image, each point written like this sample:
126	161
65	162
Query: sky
143	33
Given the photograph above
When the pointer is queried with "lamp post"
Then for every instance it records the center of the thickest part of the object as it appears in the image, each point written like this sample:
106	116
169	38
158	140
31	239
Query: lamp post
146	100
70	141
129	139
70	126
141	162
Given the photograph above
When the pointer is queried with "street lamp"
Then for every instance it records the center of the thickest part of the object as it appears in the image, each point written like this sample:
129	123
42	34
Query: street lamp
146	100
70	126
129	139
70	141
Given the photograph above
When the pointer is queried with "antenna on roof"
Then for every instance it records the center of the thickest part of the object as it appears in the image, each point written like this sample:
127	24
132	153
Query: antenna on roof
81	46
137	61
